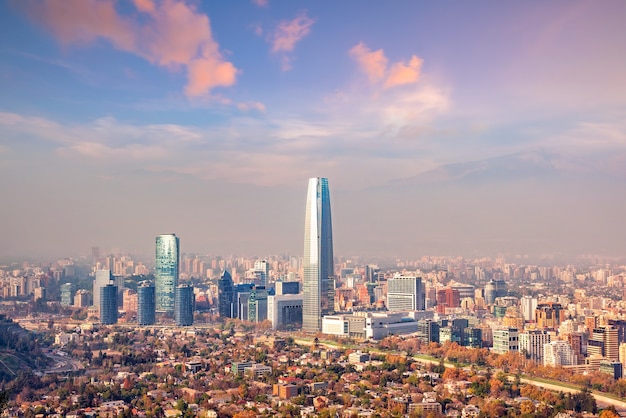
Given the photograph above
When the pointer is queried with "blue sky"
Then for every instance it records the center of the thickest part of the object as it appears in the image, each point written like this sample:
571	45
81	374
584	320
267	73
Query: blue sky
444	128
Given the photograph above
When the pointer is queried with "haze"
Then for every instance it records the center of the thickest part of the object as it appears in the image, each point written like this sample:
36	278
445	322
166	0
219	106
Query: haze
460	129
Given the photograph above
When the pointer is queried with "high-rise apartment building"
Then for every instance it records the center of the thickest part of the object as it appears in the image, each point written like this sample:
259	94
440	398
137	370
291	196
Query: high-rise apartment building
166	271
146	304
184	306
318	283
531	344
405	293
528	305
558	353
108	304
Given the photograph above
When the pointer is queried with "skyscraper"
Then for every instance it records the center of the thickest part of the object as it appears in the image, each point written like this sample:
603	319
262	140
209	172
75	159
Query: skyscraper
183	314
146	304
102	278
318	283
225	295
108	304
166	271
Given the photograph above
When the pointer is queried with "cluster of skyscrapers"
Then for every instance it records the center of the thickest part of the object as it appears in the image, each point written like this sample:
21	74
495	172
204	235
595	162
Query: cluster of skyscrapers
165	295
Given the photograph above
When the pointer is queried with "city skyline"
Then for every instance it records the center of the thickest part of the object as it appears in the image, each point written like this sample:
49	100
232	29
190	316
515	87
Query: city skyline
471	130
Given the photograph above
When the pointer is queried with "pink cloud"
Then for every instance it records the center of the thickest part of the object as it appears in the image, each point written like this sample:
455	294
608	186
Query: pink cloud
287	34
374	65
145	6
261	3
401	73
173	35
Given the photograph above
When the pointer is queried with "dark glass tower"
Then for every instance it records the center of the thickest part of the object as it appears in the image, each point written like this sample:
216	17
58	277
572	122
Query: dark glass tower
318	283
166	271
108	304
225	295
146	304
183	312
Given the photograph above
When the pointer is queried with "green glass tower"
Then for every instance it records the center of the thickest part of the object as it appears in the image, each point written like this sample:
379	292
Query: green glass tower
166	271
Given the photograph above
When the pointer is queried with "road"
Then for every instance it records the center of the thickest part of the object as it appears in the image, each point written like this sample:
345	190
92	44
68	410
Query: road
64	364
602	400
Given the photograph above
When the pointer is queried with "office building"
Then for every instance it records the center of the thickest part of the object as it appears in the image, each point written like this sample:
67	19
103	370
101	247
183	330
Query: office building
428	331
67	294
257	304
405	293
285	311
225	296
287	288
102	278
166	271
146	304
184	305
108	304
604	342
318	263
505	339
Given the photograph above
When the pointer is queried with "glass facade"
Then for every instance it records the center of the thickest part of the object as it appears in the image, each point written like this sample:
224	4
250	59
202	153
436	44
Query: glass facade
183	312
146	304
318	283
108	304
166	271
67	294
225	295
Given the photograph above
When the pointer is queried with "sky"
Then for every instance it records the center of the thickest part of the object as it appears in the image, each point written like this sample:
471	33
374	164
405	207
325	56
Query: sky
445	128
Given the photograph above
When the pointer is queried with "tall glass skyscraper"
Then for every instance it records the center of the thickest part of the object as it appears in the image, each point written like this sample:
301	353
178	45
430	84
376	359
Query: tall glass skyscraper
318	284
108	304
166	271
183	315
146	304
225	295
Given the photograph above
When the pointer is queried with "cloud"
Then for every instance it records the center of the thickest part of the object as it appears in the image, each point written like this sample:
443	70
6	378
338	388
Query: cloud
261	3
401	73
374	65
287	34
258	106
169	33
145	6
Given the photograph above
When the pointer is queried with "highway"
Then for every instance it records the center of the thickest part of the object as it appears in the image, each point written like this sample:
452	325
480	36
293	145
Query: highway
64	364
